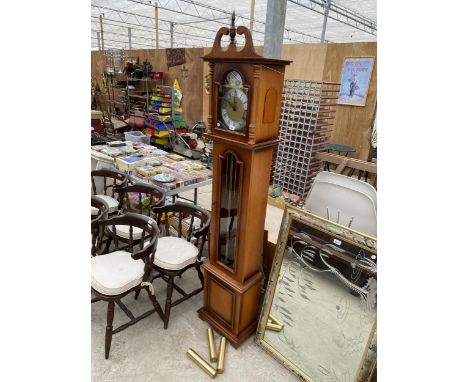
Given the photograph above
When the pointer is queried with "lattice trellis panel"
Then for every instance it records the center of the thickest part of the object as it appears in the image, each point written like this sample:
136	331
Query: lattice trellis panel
307	112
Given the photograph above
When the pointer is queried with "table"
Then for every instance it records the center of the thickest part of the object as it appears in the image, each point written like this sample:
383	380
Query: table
339	149
176	191
100	160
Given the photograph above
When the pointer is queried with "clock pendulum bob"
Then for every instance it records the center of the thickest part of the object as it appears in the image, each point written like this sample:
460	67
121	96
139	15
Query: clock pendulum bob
243	124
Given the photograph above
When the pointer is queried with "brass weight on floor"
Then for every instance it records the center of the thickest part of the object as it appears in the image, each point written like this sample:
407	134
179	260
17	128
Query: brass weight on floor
222	352
205	366
275	327
211	346
274	324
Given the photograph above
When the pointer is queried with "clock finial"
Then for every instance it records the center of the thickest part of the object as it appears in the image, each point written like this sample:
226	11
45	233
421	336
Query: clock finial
232	30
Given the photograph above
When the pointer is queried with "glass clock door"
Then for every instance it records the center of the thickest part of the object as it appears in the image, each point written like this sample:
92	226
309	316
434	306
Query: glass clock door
229	204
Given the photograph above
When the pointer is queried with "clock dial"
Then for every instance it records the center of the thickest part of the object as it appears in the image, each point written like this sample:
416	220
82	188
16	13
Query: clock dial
234	109
233	78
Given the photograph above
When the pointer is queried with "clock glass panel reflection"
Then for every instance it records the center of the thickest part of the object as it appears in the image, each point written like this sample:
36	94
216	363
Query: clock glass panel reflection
230	183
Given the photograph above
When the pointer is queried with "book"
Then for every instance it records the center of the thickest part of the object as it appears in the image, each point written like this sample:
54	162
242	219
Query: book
129	163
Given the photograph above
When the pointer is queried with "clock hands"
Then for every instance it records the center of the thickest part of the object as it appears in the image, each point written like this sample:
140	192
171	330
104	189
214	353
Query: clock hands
232	105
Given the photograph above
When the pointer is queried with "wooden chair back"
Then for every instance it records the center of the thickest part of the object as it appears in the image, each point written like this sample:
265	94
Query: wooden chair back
117	177
147	197
144	249
183	215
103	210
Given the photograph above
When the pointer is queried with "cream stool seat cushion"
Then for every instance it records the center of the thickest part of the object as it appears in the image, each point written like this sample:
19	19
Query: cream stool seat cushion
174	253
111	202
124	231
116	272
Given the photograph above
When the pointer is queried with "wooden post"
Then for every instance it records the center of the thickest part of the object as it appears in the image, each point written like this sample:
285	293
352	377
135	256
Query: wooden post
156	22
252	10
102	33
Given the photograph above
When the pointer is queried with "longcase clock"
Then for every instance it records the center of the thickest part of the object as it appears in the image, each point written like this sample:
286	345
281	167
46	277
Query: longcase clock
244	109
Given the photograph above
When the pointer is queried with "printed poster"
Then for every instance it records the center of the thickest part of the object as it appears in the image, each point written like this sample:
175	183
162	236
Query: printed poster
355	79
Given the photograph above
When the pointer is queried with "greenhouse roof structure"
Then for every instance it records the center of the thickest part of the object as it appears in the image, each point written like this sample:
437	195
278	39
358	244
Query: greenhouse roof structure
131	24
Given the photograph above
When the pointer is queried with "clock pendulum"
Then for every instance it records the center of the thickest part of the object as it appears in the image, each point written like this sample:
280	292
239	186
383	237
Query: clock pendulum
244	108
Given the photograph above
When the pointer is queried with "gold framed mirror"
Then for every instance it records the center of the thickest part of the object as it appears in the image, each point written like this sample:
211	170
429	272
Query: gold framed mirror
319	315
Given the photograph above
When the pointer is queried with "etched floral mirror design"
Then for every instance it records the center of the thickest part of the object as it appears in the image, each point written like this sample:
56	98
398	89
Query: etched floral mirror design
320	308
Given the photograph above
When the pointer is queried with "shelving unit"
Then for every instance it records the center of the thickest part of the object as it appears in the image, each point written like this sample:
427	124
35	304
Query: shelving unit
307	112
142	98
160	115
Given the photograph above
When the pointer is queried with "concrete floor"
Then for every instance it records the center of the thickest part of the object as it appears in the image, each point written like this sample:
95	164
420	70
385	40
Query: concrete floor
147	352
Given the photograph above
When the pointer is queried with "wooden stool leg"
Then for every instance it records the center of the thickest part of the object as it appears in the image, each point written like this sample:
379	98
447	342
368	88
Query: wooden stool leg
156	305
93	243
137	292
167	309
110	320
200	275
108	244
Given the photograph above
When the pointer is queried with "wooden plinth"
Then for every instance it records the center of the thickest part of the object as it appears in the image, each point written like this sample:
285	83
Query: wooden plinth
234	340
230	307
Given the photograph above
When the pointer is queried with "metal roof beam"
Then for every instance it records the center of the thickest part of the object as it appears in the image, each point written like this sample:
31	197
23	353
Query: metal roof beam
259	26
341	14
246	20
124	42
151	30
199	17
142	23
133	37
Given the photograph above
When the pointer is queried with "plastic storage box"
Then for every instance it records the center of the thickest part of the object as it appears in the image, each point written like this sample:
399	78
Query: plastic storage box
137	136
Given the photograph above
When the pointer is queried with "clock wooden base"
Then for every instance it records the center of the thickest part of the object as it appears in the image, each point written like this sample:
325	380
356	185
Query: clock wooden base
229	307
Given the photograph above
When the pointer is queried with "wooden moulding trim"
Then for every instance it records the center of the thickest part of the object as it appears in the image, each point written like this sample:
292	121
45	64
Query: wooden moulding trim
349	162
232	51
260	60
254	104
210	92
235	285
331	83
243	145
324	123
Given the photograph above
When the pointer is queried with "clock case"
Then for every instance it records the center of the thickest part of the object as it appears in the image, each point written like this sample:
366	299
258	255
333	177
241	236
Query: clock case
232	290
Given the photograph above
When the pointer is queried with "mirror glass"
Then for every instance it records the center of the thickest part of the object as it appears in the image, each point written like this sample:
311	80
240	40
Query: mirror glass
319	314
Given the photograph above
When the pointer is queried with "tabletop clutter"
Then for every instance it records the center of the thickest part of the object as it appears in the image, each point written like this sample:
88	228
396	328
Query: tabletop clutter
155	166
